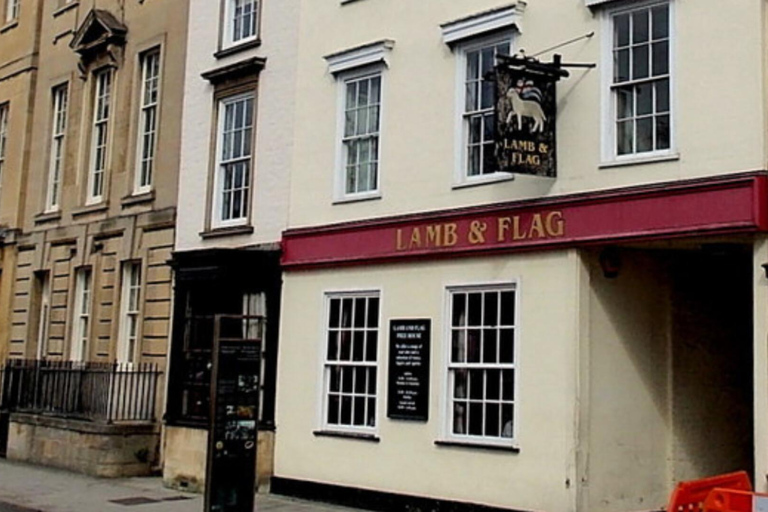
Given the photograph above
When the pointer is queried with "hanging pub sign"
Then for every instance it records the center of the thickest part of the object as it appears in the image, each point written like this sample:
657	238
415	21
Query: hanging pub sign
526	109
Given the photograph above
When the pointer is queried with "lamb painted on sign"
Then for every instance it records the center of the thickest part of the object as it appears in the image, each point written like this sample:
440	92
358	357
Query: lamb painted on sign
525	100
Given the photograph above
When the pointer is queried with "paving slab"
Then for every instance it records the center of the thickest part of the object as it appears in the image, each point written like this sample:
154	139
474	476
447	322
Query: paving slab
28	488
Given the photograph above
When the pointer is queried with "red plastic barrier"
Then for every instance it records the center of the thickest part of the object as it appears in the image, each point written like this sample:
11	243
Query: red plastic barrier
731	500
690	496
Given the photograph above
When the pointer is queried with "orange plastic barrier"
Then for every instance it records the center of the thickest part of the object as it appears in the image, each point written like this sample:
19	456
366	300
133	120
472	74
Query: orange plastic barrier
690	496
731	500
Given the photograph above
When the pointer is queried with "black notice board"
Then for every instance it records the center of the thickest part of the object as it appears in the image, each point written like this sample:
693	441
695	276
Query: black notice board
408	379
231	470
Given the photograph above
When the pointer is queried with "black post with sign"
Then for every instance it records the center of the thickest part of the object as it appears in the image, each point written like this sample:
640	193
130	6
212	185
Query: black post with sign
409	347
230	483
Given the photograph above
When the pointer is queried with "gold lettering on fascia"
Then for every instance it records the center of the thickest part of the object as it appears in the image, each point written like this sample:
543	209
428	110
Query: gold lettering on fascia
514	228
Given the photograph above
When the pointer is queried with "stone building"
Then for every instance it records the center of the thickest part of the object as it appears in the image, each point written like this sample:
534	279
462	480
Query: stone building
94	144
459	331
237	132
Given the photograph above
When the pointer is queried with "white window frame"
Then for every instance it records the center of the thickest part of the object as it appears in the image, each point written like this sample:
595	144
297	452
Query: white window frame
148	119
44	313
609	144
449	366
461	176
4	114
81	317
129	336
327	365
59	111
228	23
12	8
343	79
219	170
100	135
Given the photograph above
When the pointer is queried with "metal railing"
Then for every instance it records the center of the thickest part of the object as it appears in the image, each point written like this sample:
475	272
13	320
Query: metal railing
98	392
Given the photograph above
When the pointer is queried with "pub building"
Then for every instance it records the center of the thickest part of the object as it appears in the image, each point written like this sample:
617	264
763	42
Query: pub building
463	324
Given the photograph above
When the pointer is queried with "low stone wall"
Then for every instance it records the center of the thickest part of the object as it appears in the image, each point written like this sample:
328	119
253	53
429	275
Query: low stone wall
100	450
185	452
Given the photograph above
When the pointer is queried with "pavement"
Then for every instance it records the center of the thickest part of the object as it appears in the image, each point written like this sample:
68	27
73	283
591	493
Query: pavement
28	488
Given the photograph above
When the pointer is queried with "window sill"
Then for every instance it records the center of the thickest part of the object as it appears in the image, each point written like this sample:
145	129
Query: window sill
226	231
640	160
51	216
91	208
8	26
498	177
358	199
478	446
237	48
347	435
64	8
134	199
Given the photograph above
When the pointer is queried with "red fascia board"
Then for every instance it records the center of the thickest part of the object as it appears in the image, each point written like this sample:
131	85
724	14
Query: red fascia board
732	204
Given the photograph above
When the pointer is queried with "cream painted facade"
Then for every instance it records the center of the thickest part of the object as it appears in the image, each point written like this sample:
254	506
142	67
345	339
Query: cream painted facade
625	383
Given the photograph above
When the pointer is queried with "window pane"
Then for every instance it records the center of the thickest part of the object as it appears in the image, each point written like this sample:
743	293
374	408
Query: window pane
621	30
334	313
358	346
371	345
460	417
493	384
506	346
662	96
662	132
475	308
373	312
624	137
473	345
471	102
508	384
473	66
333	409
492	420
346	410
624	103
640	26
475	419
660	58
621	66
371	381
507	421
476	389
640	62
661	22
490	346
458	346
644	95
508	308
645	134
460	384
335	379
345	346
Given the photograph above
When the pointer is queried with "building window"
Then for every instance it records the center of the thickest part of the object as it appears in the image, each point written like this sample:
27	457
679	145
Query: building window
129	318
481	371
242	21
350	368
58	132
82	317
478	92
43	282
3	139
360	138
12	10
100	135
149	105
233	166
640	81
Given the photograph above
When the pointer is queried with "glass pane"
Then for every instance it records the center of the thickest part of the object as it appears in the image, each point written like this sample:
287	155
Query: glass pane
371	381
660	58
359	316
491	309
473	66
492	420
624	137
508	384
373	120
492	384
640	26
459	304
347	379
475	308
507	421
662	132
489	127
460	418
473	345
507	346
475	129
371	412
362	121
489	158
333	345
460	384
640	62
351	95
361	375
358	346
333	321
458	346
359	407
375	95
474	161
472	96
335	378
645	134
346	410
371	345
475	419
349	123
346	312
624	103
621	66
644	94
346	346
490	354
333	409
488	61
362	93
660	22
621	30
508	308
476	391
488	94
662	96
373	312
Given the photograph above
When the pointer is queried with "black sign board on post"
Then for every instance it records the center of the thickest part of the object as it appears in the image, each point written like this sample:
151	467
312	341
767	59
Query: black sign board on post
526	109
231	470
408	391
